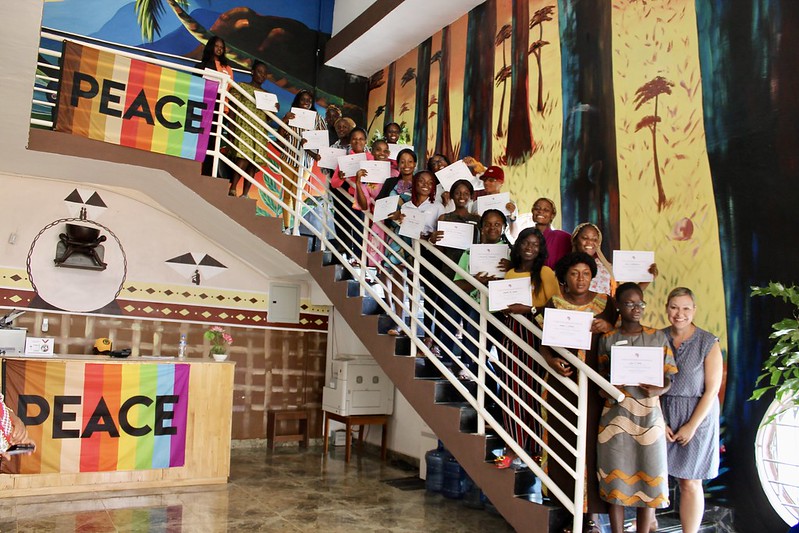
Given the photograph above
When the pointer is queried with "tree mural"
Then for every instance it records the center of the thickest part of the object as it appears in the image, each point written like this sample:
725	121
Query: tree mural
589	170
422	90
652	90
478	88
408	77
443	131
539	17
520	144
502	74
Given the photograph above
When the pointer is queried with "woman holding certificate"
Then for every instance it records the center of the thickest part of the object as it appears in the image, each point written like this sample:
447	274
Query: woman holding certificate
691	406
527	258
631	452
575	272
248	141
349	221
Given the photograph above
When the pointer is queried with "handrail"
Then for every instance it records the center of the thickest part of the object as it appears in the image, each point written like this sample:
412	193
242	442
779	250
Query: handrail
275	139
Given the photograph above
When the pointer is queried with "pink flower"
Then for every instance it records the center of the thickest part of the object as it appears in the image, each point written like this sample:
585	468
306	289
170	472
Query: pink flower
217	329
227	338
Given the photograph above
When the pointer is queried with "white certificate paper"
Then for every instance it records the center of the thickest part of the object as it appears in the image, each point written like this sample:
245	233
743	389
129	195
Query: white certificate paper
493	201
305	119
486	258
458	170
350	164
376	171
636	365
568	329
316	139
265	101
395	149
385	206
505	292
329	157
632	266
413	224
456	235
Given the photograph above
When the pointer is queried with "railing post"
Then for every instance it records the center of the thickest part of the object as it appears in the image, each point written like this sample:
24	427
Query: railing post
416	293
481	368
298	193
579	466
221	115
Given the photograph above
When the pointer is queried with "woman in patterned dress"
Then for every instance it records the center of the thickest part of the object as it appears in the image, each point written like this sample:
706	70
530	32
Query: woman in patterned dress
691	406
12	429
249	141
575	272
631	448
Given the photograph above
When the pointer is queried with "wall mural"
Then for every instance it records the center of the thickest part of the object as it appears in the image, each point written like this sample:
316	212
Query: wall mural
657	120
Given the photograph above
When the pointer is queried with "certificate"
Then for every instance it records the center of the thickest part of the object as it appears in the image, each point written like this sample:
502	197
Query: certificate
395	149
505	292
316	139
568	329
632	266
265	101
413	224
349	165
456	235
329	157
305	119
486	258
385	206
636	365
376	171
458	170
493	201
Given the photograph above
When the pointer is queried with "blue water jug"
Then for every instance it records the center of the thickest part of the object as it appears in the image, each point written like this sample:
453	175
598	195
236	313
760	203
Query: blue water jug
435	459
454	479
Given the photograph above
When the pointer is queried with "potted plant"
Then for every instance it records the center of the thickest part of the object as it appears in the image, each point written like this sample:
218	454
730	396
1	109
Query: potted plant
219	340
781	369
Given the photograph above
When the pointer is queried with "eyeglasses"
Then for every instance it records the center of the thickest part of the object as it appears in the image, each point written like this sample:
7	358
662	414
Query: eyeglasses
633	305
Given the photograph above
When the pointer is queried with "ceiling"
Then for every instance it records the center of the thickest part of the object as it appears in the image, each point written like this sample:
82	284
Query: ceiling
371	41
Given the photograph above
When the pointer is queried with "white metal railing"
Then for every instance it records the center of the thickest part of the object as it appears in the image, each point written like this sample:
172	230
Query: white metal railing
276	147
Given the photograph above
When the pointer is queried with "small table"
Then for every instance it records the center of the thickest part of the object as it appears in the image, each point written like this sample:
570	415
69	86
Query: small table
361	421
274	416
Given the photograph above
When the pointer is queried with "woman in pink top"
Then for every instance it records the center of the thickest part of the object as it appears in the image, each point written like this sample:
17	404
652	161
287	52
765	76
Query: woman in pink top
366	194
559	242
349	221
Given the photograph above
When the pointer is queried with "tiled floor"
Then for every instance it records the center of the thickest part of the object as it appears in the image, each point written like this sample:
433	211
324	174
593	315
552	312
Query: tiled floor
289	490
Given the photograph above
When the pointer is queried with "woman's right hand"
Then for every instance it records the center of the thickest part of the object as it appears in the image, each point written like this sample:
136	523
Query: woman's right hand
288	116
560	366
396	216
445	198
436	236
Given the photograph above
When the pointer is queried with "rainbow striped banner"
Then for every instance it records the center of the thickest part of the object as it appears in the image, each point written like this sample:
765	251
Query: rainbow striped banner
95	417
111	98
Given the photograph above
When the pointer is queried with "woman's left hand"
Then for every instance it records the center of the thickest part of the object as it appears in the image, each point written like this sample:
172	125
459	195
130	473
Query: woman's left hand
510	207
651	390
436	236
315	156
504	265
600	325
653	269
684	435
19	433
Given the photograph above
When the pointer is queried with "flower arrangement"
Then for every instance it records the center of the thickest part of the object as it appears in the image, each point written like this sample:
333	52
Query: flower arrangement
219	339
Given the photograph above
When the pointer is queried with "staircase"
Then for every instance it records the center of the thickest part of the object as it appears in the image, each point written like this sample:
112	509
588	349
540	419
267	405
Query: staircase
441	406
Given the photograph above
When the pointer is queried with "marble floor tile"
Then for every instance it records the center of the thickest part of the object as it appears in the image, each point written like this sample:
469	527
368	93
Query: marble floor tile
289	490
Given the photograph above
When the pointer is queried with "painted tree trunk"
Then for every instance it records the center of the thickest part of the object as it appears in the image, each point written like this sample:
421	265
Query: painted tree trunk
747	52
443	132
520	144
478	84
656	162
422	96
388	113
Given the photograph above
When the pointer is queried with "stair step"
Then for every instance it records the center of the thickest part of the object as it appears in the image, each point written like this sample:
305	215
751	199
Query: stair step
402	345
447	393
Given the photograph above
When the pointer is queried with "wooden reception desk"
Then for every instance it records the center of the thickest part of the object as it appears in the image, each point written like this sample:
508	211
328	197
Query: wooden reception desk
208	431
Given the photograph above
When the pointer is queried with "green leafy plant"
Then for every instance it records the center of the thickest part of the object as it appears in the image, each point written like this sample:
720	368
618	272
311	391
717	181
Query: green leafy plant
781	369
219	339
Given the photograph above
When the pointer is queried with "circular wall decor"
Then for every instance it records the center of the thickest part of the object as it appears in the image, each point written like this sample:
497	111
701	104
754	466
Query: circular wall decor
75	289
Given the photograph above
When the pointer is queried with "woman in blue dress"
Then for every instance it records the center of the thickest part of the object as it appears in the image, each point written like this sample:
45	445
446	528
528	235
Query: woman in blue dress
691	406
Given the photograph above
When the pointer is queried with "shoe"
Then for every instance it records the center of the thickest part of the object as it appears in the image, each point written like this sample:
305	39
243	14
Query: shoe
502	462
464	375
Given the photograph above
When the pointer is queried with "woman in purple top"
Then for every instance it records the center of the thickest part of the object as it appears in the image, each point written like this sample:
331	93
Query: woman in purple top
559	242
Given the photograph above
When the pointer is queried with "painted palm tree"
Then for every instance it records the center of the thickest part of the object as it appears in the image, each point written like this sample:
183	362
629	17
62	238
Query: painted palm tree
504	33
390	86
520	145
404	108
433	101
443	132
420	115
148	13
652	90
539	17
378	112
376	81
408	77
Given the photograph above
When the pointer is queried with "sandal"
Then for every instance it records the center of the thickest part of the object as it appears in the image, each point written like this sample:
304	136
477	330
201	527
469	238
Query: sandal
588	527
